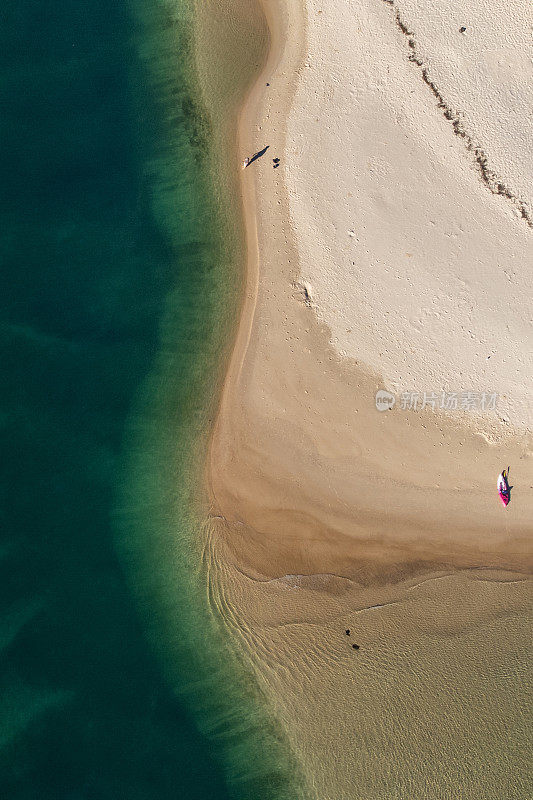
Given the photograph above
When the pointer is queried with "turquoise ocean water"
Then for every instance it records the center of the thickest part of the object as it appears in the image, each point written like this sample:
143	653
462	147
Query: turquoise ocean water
118	293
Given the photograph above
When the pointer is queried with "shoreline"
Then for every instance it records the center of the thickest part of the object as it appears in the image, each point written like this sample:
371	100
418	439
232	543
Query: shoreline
249	141
163	535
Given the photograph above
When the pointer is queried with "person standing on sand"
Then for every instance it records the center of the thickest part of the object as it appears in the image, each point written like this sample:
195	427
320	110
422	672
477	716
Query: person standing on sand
248	161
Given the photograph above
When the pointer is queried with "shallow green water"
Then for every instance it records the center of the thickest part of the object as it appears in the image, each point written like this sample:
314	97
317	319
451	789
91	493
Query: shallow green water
118	292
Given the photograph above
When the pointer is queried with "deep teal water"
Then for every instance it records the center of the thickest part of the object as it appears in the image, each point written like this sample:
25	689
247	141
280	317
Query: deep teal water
89	256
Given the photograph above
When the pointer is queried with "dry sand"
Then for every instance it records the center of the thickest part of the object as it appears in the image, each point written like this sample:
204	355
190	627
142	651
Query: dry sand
390	249
402	132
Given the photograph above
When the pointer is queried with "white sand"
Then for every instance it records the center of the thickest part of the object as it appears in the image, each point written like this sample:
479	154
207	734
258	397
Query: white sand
417	268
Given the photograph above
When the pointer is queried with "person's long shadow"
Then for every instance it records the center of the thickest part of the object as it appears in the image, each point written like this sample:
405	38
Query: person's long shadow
258	155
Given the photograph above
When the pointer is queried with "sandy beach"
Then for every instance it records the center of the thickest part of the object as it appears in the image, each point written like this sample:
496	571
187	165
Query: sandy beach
389	250
300	455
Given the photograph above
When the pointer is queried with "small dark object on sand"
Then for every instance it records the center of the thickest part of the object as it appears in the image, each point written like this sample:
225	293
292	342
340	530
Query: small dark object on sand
275	160
347	631
462	29
355	646
268	84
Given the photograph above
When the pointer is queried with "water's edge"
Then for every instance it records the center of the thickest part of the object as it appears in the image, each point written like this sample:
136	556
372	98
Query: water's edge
160	519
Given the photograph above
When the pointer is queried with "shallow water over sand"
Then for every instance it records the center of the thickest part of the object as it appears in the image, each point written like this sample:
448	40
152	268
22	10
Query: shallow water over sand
435	701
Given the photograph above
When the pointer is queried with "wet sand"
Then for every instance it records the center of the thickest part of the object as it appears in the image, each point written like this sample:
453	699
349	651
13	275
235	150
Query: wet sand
321	505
